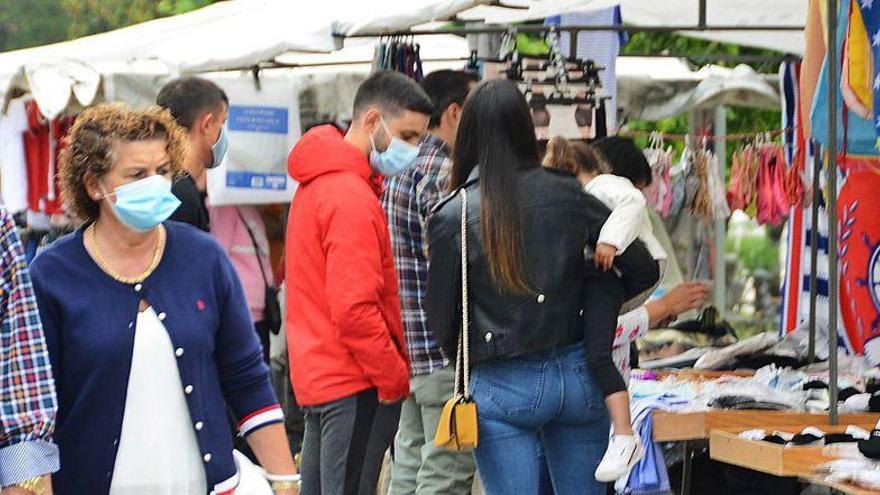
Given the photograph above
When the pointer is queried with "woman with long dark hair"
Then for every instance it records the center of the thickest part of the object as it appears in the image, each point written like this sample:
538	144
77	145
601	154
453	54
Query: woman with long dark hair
526	230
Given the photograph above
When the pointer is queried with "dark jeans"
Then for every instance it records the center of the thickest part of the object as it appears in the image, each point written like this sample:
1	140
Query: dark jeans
605	293
546	400
345	444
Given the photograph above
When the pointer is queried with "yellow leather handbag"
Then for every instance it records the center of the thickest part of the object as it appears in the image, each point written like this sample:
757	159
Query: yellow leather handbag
458	428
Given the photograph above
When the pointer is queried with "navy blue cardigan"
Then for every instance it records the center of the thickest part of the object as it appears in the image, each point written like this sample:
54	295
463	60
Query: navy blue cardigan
89	321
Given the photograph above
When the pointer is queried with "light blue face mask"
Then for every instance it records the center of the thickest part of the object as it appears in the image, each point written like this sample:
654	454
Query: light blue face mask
397	157
144	204
220	148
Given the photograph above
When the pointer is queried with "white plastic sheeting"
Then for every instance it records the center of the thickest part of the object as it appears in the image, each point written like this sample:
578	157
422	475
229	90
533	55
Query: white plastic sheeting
653	88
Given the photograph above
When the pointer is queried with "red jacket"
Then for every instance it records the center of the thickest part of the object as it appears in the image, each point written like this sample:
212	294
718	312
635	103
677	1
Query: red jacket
344	331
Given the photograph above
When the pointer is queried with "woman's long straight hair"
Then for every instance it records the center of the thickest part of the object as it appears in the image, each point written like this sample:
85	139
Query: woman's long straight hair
496	133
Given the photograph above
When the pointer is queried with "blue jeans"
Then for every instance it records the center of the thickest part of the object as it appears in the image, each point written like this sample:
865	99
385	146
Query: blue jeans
549	401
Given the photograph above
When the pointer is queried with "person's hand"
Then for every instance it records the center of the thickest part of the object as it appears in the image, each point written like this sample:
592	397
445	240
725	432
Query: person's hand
16	490
290	491
386	402
666	322
685	297
604	256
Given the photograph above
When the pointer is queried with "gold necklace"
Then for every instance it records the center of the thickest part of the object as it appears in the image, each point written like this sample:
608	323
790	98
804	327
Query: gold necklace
105	265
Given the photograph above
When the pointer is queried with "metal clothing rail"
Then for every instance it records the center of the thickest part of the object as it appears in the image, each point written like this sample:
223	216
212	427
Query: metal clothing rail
718	137
540	28
574	31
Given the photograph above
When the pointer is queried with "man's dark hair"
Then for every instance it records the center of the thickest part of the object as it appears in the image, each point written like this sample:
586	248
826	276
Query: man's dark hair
393	93
188	97
446	87
625	158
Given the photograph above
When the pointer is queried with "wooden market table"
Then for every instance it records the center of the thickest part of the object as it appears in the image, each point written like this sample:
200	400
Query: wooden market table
694	428
680	427
778	460
845	488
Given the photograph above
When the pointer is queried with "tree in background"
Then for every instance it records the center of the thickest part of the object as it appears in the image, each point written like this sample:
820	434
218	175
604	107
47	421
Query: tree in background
96	16
26	23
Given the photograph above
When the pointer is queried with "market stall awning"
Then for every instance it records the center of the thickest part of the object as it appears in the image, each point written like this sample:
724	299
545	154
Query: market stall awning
224	36
238	34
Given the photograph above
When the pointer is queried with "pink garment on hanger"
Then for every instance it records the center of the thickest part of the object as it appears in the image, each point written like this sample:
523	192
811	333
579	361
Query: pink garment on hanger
772	201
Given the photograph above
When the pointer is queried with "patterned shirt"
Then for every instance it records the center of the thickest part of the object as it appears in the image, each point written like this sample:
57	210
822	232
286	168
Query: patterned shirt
630	327
27	390
408	199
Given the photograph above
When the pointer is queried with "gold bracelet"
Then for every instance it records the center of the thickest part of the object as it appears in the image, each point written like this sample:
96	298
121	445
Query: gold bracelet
37	485
283	485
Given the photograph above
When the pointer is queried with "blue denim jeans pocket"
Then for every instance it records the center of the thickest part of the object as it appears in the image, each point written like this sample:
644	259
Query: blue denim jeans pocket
593	398
509	389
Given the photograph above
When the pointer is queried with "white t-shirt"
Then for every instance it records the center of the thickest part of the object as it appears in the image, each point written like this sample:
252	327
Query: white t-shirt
629	215
158	452
13	164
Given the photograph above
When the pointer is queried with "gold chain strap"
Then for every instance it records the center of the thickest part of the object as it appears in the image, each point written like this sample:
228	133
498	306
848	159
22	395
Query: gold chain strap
462	360
105	265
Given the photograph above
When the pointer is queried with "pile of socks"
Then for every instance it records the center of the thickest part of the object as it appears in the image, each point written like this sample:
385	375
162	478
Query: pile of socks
851	400
811	436
863	472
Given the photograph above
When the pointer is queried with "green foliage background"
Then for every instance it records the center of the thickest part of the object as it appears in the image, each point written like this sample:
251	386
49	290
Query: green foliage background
27	23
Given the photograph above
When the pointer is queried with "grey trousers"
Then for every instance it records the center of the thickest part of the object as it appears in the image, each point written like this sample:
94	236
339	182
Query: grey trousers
345	442
419	467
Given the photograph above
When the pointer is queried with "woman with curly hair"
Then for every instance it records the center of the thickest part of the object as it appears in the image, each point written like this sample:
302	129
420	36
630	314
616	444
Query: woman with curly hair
147	326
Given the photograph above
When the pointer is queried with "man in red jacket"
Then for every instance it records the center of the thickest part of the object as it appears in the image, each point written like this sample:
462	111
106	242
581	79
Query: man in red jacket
344	333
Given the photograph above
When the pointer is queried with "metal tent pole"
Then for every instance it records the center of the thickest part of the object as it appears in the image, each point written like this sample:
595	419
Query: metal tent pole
720	225
832	208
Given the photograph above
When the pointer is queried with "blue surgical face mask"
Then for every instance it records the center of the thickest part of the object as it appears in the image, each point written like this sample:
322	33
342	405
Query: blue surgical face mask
397	157
220	148
144	204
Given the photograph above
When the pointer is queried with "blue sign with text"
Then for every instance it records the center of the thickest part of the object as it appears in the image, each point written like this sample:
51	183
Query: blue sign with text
257	119
252	180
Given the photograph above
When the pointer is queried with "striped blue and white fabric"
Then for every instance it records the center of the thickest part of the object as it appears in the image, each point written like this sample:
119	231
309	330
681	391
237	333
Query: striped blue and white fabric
603	47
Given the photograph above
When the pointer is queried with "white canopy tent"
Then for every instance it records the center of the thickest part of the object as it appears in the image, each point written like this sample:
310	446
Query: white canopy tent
223	36
238	34
751	14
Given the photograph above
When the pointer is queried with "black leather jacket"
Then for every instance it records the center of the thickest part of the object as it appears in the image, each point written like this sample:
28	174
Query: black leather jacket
559	220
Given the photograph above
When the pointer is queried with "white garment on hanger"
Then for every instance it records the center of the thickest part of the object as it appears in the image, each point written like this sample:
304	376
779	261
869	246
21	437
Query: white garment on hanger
158	453
13	164
562	122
